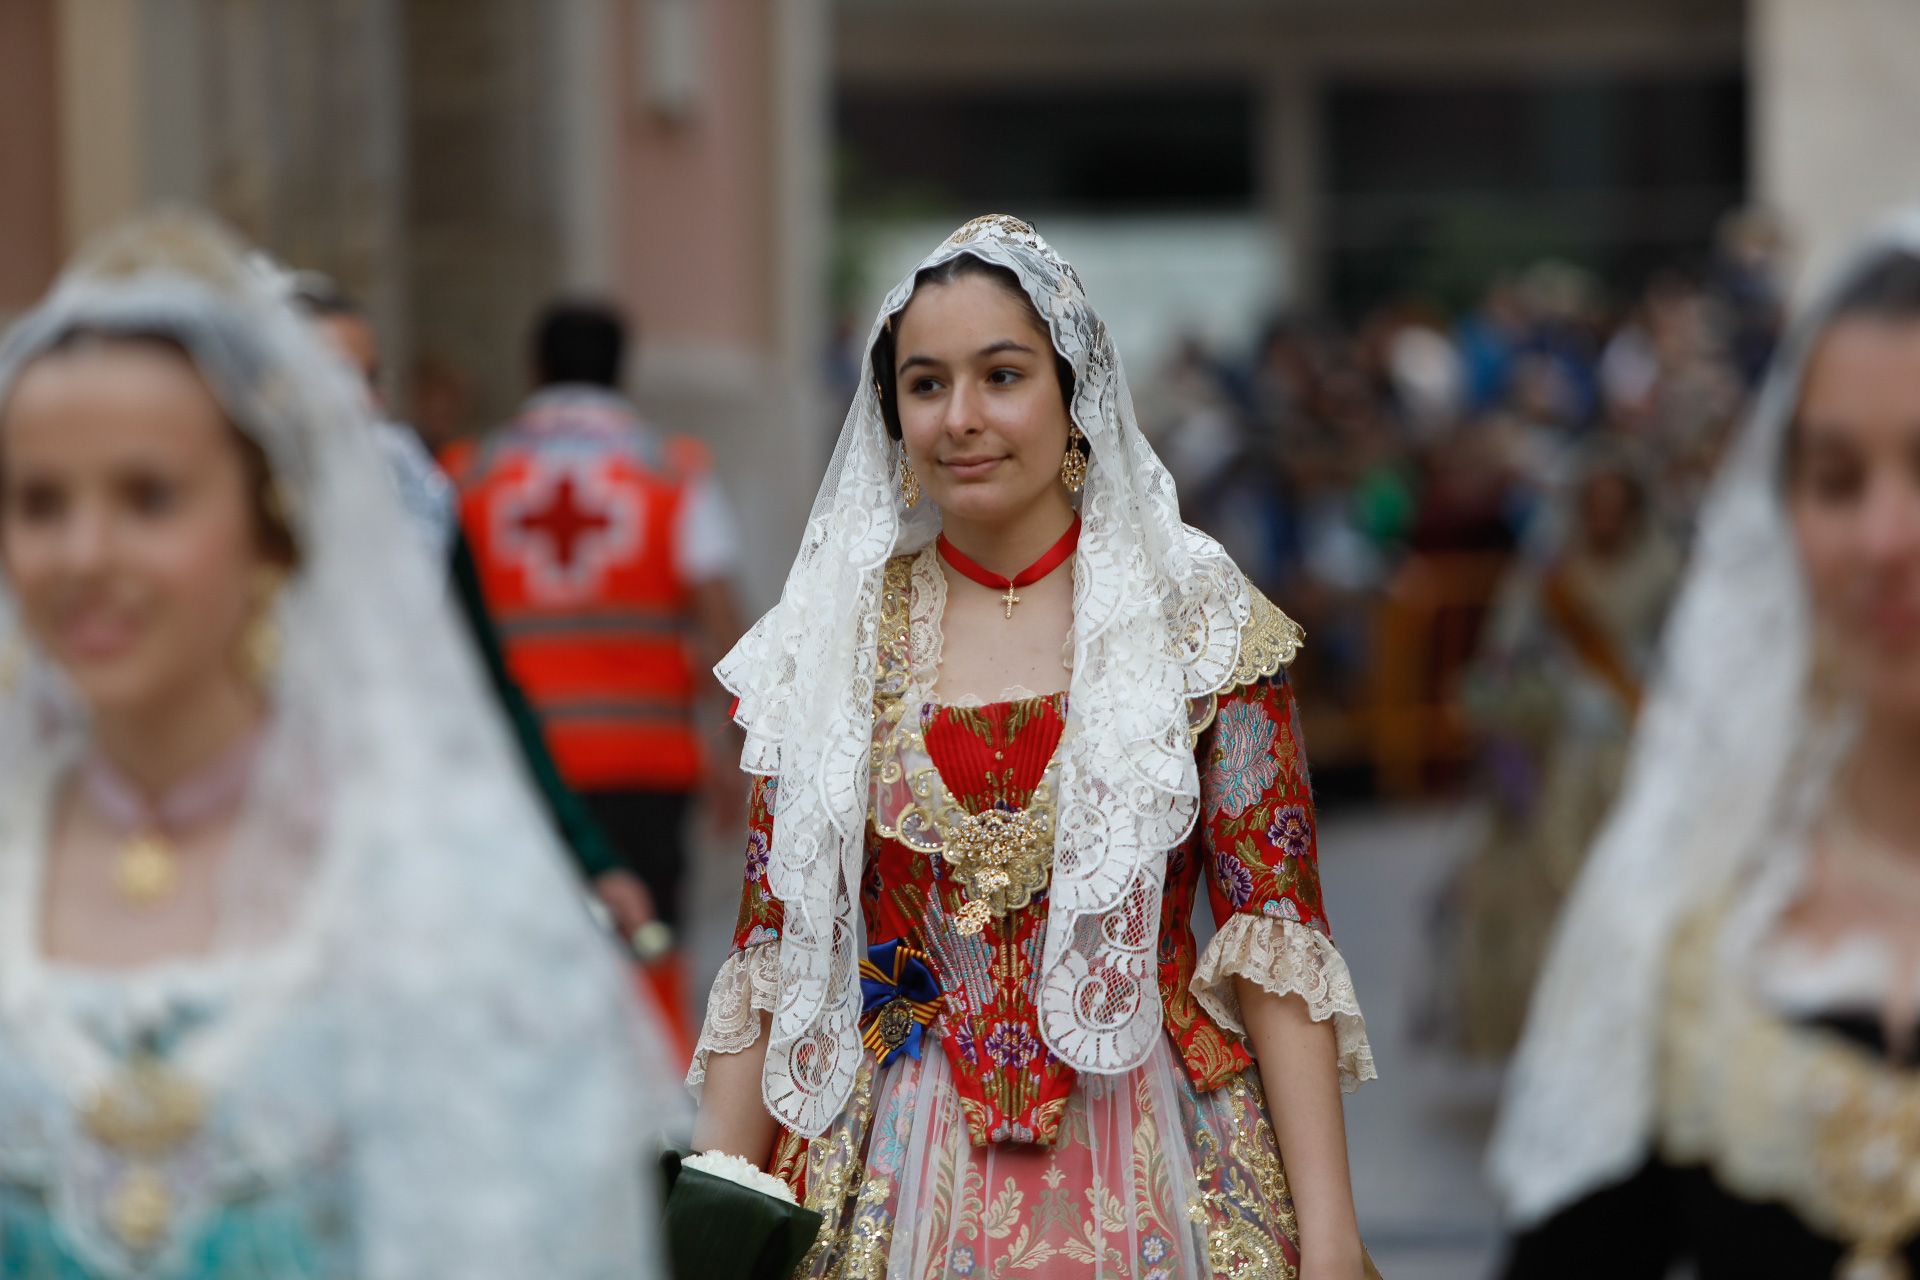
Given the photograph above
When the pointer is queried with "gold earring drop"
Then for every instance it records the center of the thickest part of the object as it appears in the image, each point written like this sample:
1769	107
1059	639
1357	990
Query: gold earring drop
13	662
1073	466
1826	689
260	646
909	482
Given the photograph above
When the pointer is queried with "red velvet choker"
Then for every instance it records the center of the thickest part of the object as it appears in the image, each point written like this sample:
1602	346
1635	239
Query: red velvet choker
1055	556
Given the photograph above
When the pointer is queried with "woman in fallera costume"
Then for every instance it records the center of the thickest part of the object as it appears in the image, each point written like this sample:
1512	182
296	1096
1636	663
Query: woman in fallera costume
1555	686
1720	1066
1008	720
293	982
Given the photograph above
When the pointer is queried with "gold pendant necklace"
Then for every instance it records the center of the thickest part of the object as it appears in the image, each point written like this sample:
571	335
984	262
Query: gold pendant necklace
146	864
146	869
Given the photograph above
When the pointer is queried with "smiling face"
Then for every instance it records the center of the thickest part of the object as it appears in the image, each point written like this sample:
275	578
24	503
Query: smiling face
129	523
1854	499
979	399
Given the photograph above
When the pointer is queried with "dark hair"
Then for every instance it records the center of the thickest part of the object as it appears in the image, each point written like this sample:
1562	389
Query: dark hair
956	268
320	296
1887	286
579	342
273	535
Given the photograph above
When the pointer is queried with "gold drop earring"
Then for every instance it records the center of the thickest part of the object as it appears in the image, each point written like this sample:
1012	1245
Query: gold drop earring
13	662
261	644
1073	466
909	482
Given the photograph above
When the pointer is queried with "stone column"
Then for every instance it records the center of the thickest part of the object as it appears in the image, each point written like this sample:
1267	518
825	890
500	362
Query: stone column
286	117
586	73
1835	105
282	117
1291	181
491	157
723	230
30	147
100	113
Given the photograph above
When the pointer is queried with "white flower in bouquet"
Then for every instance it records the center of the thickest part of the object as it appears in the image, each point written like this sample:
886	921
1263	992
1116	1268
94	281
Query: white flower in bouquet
742	1171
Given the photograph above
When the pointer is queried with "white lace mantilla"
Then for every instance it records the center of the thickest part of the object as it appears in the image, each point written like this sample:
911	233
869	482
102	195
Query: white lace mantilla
1159	610
1286	958
747	986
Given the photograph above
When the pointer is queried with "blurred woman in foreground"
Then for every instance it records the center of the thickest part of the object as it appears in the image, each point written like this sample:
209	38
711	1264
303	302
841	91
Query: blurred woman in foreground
1721	1064
292	979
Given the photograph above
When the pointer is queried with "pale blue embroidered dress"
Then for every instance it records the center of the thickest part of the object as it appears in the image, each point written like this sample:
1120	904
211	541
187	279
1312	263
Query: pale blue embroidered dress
260	1190
182	1121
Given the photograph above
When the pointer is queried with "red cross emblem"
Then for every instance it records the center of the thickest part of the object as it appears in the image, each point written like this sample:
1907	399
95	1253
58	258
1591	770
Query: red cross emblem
564	521
565	526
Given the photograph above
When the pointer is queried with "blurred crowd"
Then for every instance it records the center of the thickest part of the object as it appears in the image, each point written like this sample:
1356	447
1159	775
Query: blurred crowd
1333	459
1480	518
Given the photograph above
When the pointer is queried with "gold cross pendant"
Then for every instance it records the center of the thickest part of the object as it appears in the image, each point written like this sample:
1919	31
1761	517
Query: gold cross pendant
1010	600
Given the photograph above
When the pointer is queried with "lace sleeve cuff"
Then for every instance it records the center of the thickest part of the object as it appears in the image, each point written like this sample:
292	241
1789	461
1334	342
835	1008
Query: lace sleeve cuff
747	985
1286	958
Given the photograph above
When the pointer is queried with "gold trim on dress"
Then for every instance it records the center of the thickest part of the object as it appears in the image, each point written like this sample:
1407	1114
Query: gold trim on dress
1269	641
1789	1113
1001	857
144	1113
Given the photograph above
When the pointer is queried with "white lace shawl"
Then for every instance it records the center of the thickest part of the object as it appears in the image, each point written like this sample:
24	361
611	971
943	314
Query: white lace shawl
1281	956
1729	728
1158	612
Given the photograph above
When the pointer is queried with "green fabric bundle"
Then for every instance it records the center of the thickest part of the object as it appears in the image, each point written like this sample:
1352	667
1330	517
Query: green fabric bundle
720	1230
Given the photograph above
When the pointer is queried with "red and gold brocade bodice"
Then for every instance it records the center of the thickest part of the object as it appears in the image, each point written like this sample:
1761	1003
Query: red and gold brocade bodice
937	766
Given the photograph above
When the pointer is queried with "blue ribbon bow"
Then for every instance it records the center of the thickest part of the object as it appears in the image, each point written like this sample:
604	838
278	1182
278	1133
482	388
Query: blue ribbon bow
899	998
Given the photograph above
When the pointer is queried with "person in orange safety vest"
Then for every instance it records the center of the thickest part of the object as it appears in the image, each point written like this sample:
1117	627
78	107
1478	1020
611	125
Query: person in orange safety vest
606	553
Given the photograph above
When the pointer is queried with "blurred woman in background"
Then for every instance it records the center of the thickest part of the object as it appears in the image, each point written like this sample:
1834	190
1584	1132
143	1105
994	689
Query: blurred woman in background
1556	685
1722	1064
292	978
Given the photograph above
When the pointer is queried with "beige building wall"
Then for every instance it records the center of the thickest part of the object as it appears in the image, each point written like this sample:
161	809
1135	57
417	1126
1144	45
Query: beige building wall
1836	107
721	211
697	111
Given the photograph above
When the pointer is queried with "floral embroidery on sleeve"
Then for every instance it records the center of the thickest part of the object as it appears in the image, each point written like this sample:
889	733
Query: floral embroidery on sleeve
761	914
1259	847
1240	766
